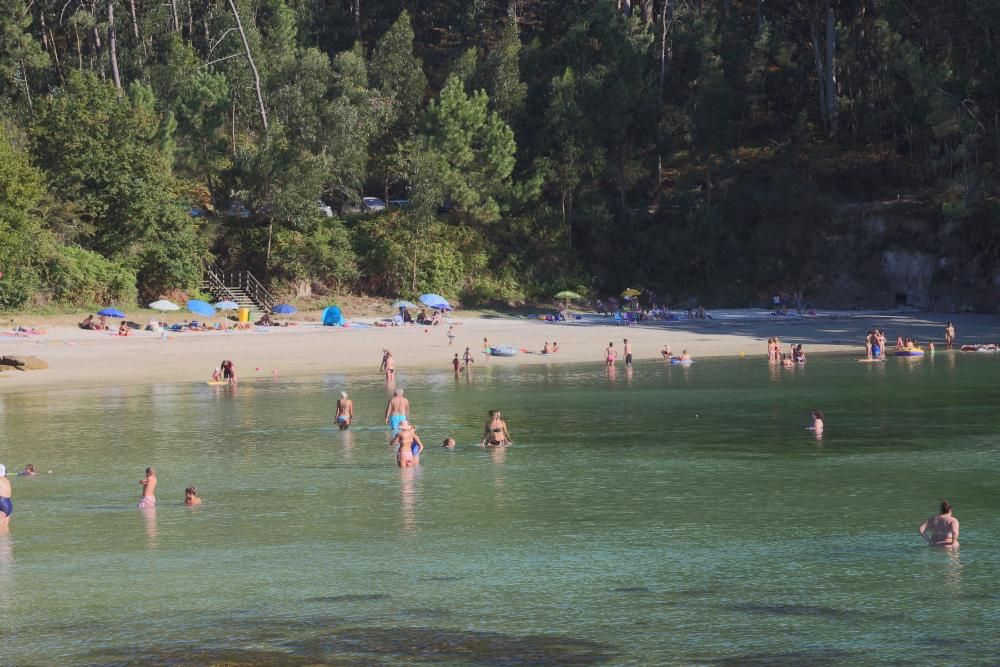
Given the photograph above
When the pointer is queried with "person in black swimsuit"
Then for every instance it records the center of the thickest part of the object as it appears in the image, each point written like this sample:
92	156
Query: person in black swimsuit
495	433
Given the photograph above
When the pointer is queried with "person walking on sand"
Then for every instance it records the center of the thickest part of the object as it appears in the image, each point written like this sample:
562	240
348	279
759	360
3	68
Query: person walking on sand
451	334
6	506
942	528
397	411
949	335
628	353
148	498
345	411
610	355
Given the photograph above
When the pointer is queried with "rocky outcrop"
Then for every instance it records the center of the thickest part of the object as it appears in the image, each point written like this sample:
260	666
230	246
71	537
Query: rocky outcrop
22	363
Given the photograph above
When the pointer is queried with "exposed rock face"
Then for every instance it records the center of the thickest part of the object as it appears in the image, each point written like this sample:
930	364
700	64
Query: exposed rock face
22	363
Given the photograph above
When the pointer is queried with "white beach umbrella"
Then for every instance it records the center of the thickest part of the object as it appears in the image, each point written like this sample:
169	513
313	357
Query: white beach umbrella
163	305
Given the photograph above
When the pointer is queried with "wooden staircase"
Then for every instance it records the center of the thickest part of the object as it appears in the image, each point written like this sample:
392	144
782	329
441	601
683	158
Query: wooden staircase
238	286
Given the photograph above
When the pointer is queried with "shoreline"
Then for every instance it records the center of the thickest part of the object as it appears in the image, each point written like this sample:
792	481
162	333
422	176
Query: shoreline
82	359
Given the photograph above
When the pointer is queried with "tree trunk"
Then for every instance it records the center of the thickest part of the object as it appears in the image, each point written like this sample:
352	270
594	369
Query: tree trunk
666	18
177	20
820	77
253	67
760	16
206	15
135	21
27	90
113	45
270	232
356	14
831	72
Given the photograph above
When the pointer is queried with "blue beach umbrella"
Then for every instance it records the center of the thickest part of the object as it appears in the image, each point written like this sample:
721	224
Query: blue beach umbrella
200	308
111	312
434	301
227	305
283	309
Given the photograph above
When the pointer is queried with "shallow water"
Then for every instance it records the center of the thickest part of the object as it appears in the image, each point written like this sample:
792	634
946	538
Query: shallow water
663	516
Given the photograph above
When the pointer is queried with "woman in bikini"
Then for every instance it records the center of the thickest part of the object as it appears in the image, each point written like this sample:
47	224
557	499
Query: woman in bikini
495	433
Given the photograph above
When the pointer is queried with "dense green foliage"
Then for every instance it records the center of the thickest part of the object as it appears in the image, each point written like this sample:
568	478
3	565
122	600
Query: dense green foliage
693	147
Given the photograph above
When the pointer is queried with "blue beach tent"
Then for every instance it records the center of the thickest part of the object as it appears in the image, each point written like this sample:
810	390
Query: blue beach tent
332	317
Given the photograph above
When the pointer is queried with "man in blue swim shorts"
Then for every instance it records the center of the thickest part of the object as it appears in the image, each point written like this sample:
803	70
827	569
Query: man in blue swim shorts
6	506
397	410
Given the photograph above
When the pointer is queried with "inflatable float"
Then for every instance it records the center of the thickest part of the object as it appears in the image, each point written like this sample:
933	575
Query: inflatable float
504	351
681	362
915	352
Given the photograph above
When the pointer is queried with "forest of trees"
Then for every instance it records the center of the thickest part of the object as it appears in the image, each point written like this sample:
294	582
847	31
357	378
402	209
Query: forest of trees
692	147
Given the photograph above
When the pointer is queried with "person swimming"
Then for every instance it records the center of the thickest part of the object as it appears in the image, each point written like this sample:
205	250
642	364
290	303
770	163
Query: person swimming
191	497
449	443
943	528
29	471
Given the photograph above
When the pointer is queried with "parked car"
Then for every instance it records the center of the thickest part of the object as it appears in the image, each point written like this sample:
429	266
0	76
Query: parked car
372	204
399	203
325	209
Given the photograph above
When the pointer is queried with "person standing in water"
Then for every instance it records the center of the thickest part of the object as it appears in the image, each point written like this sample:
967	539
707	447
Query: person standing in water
942	528
6	506
468	359
628	353
495	432
191	497
610	355
397	411
410	447
228	371
385	358
817	416
949	335
456	364
390	367
345	411
148	498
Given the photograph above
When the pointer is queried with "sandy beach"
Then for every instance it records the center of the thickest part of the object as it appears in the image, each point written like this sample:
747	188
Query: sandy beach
89	358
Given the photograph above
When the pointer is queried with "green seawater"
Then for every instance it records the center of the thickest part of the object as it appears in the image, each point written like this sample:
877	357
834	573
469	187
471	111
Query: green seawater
664	516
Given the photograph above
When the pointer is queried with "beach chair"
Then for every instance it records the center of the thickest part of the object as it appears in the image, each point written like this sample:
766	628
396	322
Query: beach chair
397	321
618	318
629	319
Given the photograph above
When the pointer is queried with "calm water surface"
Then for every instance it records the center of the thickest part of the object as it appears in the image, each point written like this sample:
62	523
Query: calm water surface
665	516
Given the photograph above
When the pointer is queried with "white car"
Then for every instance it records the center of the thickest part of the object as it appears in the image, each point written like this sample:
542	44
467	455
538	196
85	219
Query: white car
372	204
325	210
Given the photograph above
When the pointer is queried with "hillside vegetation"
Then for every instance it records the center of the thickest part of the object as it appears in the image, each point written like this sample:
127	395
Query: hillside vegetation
712	149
